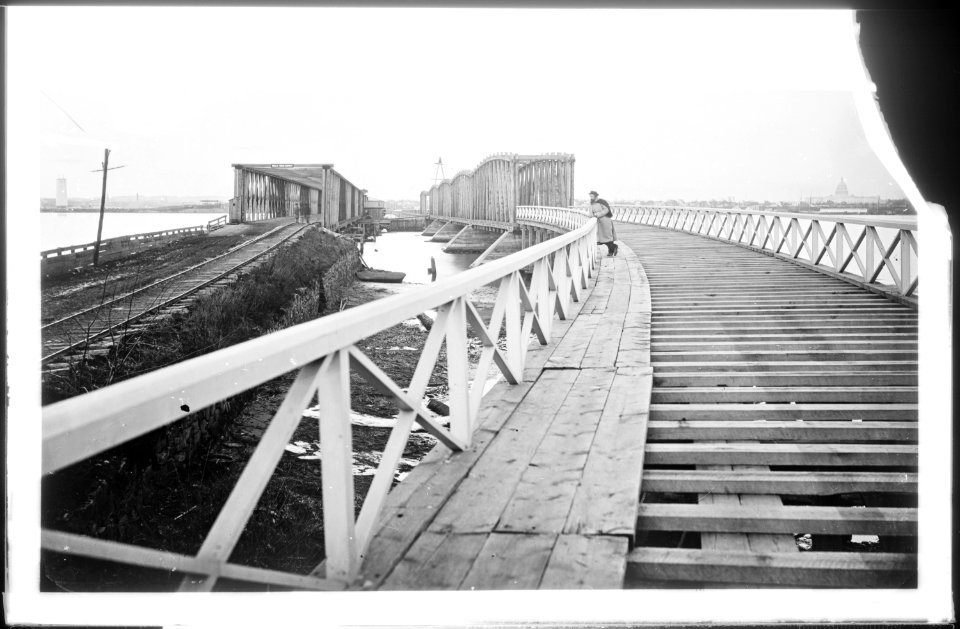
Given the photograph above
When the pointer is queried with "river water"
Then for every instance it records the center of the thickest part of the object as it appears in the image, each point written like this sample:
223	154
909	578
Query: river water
410	253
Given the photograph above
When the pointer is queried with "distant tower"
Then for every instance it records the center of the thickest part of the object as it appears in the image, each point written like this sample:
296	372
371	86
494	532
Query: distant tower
841	189
61	192
439	176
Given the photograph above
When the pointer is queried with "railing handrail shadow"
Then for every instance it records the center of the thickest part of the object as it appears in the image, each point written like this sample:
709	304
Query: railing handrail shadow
323	351
824	244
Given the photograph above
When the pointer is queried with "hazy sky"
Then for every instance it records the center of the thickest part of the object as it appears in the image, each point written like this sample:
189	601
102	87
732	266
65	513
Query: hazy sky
654	104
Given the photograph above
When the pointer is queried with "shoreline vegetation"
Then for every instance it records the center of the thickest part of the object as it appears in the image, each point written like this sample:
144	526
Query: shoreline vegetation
165	489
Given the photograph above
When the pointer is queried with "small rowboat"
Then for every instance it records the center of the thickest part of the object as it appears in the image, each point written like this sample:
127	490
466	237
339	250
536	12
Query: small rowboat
376	275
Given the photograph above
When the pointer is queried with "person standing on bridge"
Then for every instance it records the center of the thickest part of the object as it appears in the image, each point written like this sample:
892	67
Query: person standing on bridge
606	234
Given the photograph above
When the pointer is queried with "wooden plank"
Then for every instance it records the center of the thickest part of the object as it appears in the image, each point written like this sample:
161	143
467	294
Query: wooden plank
829	366
711	540
785	378
780	454
750	303
432	494
411	506
781	483
586	563
705	329
764	542
510	562
790	347
570	350
821	395
603	346
777	311
812	431
693	412
479	500
436	561
784	355
602	351
546	489
606	500
805	569
746	333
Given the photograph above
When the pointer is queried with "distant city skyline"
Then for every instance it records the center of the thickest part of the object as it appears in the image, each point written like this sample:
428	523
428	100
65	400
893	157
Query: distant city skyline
835	196
742	106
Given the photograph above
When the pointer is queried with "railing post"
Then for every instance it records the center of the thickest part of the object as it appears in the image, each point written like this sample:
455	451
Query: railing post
541	288
510	293
841	232
906	262
461	421
814	240
336	448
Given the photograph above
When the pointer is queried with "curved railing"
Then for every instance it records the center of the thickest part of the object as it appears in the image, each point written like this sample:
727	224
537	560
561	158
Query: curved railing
879	253
568	218
323	352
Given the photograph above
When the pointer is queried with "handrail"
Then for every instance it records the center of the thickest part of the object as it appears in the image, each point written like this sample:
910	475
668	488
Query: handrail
567	218
73	249
217	223
821	242
323	351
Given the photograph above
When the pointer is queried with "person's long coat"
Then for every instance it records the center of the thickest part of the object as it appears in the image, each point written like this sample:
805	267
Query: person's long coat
605	229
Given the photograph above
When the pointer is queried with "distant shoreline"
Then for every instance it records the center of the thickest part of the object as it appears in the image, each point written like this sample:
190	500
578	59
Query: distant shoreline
124	210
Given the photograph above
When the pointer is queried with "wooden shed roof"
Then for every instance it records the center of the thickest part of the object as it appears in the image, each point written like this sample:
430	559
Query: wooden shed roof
310	175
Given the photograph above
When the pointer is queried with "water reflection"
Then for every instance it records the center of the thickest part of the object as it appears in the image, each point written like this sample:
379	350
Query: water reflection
410	253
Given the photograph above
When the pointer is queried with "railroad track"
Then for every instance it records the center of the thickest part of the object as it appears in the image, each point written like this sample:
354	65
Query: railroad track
94	329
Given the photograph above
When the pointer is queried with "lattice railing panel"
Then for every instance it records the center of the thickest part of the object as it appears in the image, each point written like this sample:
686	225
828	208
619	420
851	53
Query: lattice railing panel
322	353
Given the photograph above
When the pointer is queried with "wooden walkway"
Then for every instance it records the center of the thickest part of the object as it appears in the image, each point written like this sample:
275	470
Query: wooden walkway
784	406
781	403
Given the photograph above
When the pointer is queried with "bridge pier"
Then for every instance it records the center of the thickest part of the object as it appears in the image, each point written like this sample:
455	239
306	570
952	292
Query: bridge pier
448	232
504	245
531	235
434	226
473	239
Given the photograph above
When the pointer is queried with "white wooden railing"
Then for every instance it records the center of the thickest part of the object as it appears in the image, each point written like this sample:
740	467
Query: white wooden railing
567	218
879	253
323	352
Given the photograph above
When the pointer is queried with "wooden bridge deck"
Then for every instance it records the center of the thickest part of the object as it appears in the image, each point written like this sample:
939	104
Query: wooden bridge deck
781	403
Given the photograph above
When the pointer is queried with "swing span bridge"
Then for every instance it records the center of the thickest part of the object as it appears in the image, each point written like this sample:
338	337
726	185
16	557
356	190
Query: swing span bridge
730	401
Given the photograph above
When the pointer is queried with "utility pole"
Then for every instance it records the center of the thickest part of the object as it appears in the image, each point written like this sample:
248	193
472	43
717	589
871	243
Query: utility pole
103	202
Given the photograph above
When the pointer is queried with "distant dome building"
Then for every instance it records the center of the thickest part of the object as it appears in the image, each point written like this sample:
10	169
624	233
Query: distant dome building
841	196
841	189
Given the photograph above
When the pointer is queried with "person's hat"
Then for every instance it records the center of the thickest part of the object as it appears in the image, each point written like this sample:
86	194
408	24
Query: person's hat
595	193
